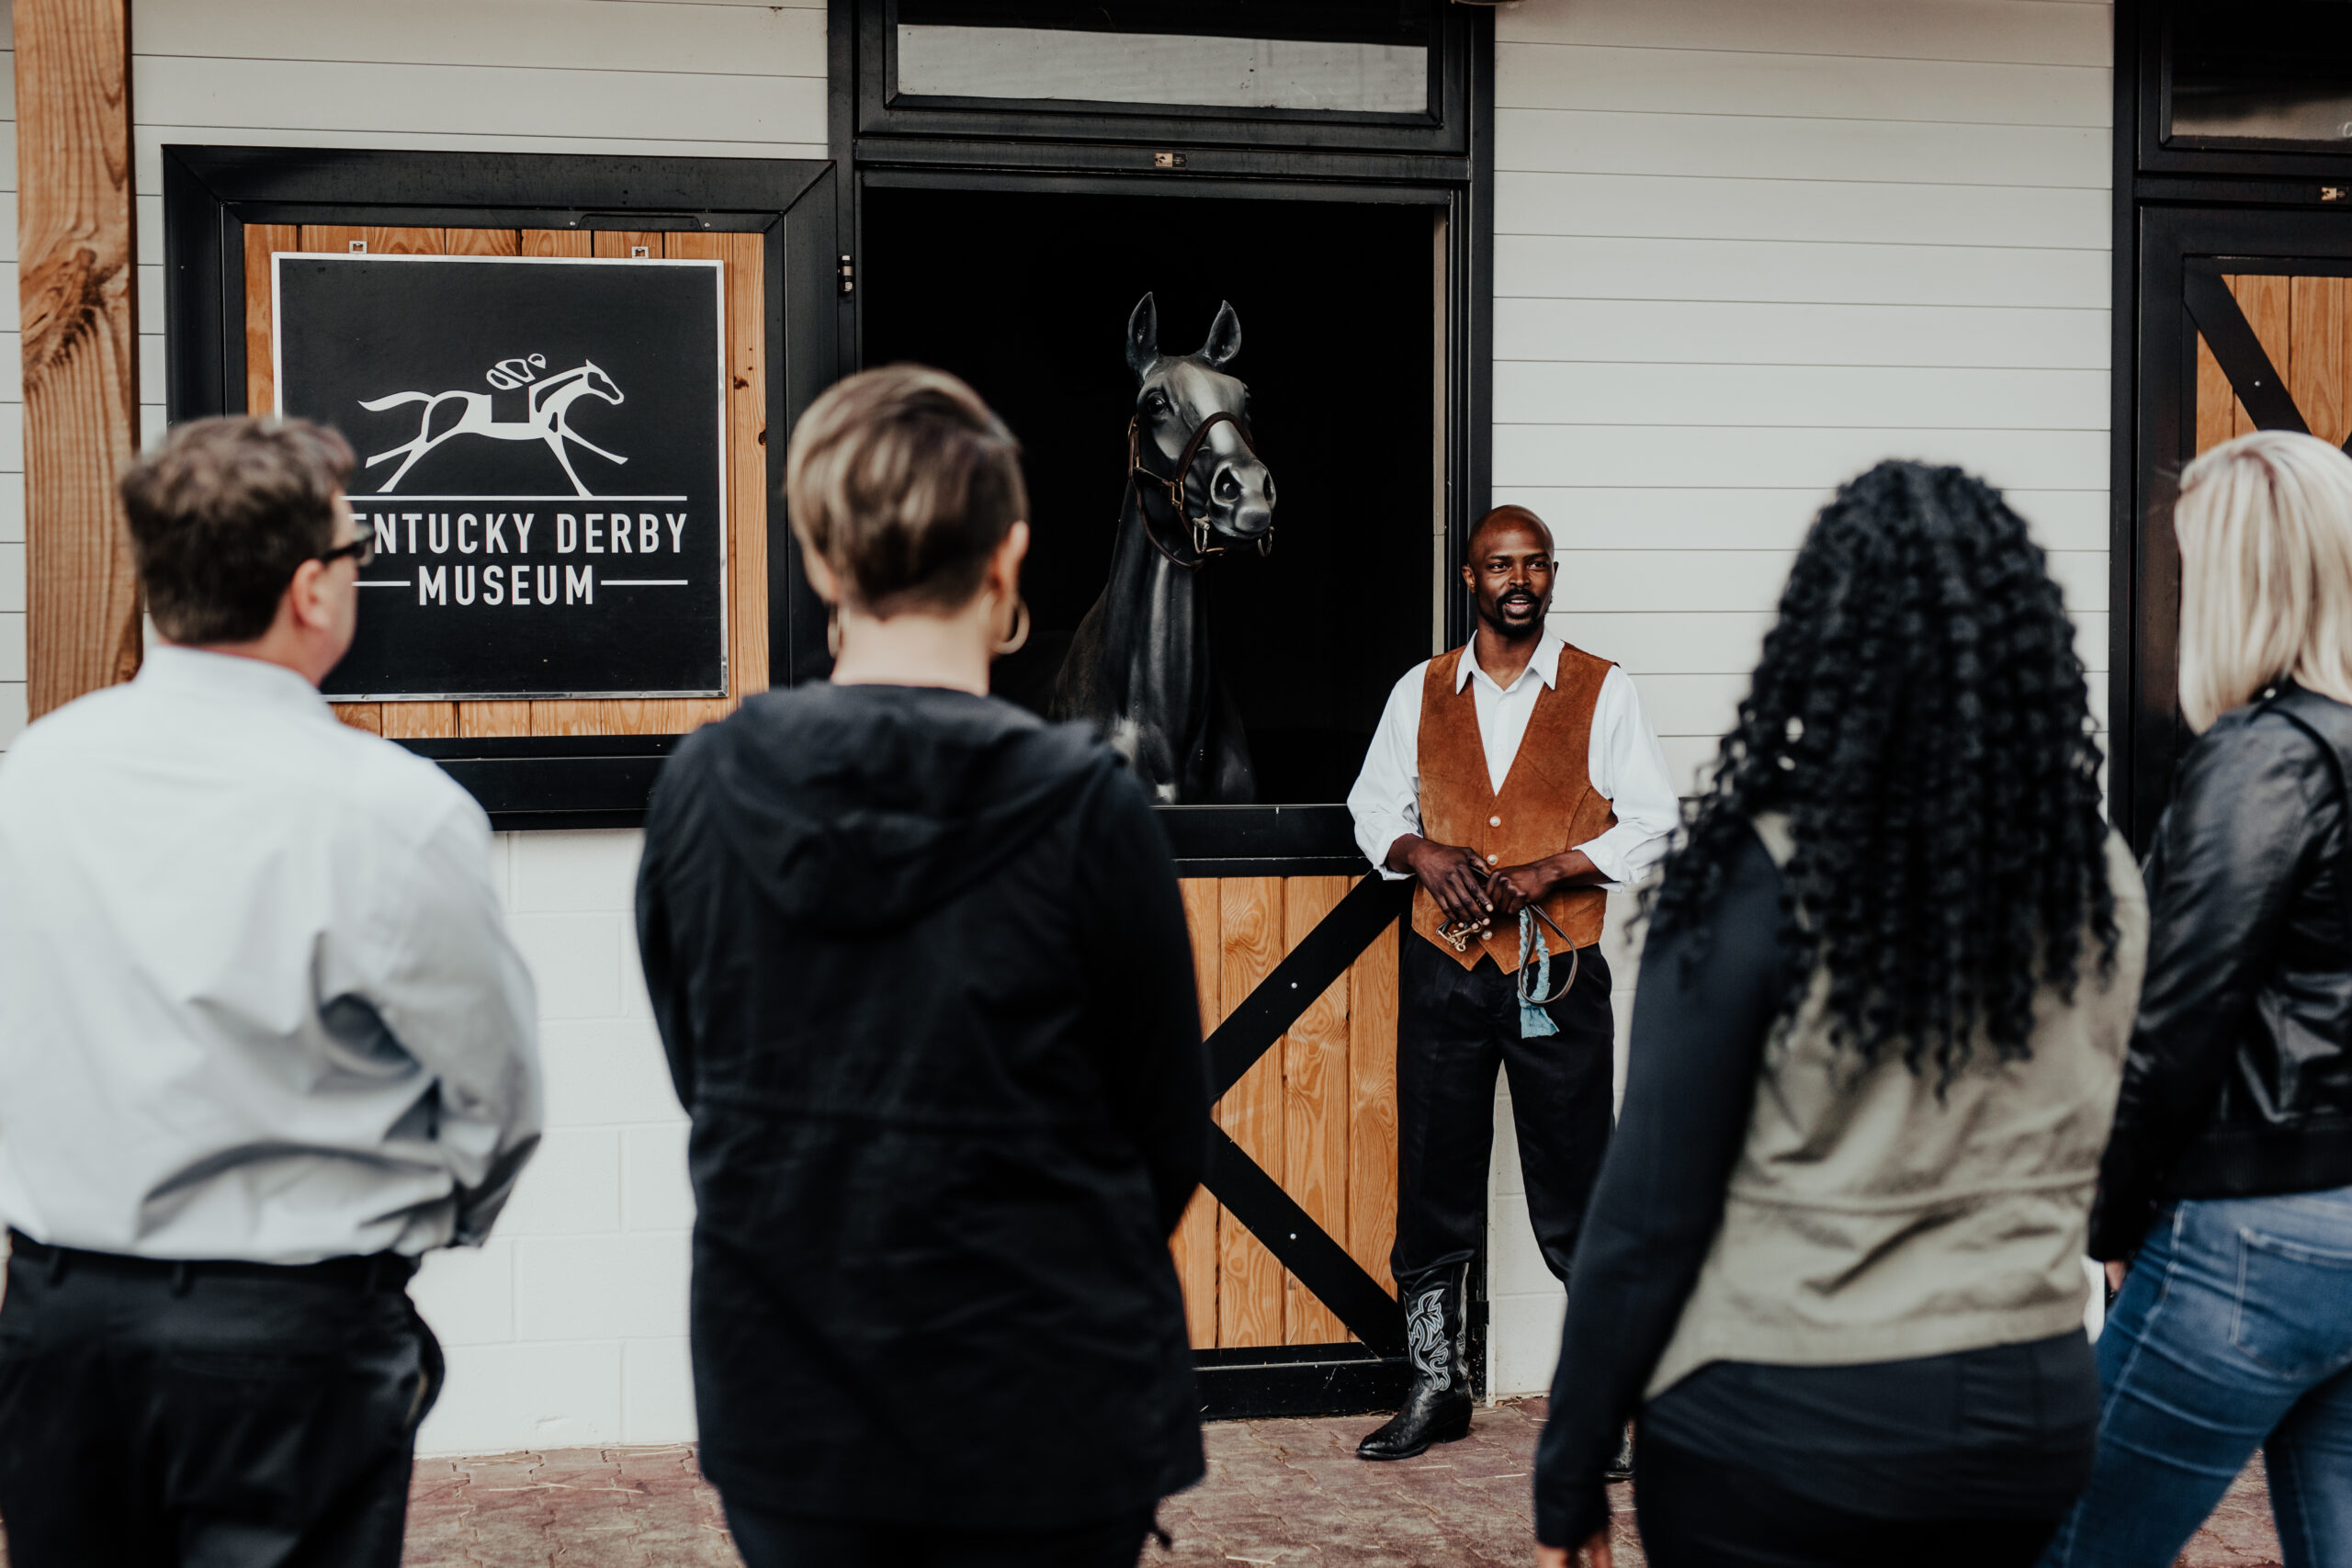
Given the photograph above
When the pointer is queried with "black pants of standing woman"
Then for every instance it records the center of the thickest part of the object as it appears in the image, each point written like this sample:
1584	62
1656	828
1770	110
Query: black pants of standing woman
781	1541
1969	1460
1700	1512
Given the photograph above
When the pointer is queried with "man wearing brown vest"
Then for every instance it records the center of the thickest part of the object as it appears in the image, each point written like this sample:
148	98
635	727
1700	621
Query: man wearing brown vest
1515	774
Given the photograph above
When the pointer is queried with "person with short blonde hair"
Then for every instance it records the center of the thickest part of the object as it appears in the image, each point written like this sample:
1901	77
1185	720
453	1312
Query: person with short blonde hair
919	965
2226	1188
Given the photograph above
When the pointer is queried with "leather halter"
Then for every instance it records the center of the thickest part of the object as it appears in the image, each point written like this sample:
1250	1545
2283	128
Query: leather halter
1201	531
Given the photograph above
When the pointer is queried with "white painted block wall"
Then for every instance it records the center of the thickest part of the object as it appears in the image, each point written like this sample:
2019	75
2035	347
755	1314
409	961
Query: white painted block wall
1744	249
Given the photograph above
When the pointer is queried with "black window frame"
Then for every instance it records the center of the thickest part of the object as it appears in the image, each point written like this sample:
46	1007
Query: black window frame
2144	62
880	112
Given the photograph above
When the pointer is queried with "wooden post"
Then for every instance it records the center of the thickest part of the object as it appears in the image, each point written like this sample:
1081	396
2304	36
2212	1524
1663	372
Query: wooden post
81	342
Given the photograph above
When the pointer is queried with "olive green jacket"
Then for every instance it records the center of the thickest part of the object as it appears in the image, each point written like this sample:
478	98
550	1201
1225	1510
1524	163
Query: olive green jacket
1870	1219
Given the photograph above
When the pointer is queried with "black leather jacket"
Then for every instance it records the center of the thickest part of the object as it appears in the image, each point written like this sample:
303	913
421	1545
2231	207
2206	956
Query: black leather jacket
2240	1077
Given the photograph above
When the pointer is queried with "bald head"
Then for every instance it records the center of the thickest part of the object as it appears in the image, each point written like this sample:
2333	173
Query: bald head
1507	516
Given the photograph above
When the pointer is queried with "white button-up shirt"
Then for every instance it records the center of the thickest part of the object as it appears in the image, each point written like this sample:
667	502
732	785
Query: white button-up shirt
1623	759
257	999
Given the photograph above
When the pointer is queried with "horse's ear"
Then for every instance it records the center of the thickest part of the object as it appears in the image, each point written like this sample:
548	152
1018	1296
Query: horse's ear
1143	337
1225	337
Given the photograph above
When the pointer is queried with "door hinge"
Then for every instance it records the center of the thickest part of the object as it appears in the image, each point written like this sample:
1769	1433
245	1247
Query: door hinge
848	275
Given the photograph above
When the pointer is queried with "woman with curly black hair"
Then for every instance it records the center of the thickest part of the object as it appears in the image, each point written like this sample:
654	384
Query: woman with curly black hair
1835	1257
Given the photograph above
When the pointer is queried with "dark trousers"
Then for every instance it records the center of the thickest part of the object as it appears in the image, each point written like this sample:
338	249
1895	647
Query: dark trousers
1454	1028
784	1540
1697	1512
226	1416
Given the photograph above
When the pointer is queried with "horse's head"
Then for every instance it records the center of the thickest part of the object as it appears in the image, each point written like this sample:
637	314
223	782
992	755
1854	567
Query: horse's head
1173	395
596	383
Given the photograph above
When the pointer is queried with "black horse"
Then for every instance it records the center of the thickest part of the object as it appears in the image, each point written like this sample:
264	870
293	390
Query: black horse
1141	665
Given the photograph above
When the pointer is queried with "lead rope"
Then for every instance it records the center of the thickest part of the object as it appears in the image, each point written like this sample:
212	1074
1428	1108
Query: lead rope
1533	1021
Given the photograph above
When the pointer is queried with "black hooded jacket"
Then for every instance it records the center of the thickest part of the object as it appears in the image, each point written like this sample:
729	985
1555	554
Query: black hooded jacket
919	965
2239	1082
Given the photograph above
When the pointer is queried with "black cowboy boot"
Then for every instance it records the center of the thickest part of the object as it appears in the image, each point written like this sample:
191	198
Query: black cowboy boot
1622	1467
1437	1409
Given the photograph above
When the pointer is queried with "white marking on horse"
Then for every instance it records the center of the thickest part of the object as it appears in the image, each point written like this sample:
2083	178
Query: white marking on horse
549	418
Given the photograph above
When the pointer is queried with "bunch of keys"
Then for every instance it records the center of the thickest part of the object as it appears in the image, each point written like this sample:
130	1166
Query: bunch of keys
1460	933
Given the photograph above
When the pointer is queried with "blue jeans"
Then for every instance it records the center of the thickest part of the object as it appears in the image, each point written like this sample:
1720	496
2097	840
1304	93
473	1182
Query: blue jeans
2234	1332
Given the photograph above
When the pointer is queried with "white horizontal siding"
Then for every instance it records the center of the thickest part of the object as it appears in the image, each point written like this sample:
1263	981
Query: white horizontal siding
1743	250
625	36
1742	332
2015	32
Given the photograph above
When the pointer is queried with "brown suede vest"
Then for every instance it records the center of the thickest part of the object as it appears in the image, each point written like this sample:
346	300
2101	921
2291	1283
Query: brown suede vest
1547	802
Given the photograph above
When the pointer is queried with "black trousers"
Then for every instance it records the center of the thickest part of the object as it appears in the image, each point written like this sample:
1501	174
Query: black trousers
215	1416
1697	1512
784	1540
1454	1028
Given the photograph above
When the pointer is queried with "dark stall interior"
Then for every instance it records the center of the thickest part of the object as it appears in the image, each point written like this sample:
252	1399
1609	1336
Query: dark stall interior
1026	296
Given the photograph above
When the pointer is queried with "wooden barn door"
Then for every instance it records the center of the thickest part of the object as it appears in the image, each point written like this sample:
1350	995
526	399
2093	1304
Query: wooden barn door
2246	324
1316	1112
747	543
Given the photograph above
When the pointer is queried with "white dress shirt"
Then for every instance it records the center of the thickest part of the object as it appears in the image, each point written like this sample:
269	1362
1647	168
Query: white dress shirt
257	999
1623	759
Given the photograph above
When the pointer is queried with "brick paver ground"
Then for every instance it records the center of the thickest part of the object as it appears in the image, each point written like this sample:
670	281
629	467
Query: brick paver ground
1279	1494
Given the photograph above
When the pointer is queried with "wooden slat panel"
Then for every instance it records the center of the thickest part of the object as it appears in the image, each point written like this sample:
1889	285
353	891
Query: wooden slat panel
402	241
747	464
556	242
262	242
1249	1282
747	554
746	477
1315	1108
2263	299
1372	1113
420	721
1194	1243
482	242
2315	364
2219	412
80	341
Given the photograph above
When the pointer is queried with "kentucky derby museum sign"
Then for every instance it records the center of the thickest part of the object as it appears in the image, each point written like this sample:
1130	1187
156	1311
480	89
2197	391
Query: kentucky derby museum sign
540	464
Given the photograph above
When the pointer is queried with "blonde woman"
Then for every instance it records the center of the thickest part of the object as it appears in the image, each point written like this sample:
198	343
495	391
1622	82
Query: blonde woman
2227	1186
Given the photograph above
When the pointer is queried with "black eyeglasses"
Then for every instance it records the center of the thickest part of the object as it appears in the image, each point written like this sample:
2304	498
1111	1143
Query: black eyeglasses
362	550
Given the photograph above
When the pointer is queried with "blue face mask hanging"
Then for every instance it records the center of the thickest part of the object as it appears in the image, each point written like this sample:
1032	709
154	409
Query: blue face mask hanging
1533	1021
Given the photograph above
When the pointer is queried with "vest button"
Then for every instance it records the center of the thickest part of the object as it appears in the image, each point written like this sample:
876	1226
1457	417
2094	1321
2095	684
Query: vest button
1494	821
1492	860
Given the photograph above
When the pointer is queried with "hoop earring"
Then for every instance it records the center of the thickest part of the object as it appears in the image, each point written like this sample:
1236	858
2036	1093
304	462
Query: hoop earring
1018	637
833	631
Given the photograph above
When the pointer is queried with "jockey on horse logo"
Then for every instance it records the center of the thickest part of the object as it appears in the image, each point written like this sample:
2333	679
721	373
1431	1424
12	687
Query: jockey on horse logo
550	409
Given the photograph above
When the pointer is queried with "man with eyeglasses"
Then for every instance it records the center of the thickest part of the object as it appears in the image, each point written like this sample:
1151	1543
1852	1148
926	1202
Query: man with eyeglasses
264	1043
